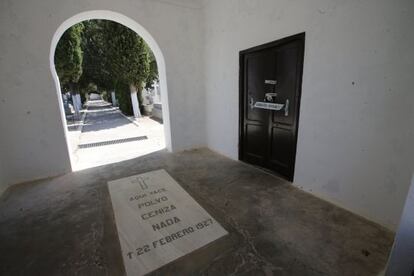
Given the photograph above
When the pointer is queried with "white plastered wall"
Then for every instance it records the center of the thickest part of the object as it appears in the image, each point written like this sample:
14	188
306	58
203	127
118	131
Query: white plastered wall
32	136
3	183
355	145
355	134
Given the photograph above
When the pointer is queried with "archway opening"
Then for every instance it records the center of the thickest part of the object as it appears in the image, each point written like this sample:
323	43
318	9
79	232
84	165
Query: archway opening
95	135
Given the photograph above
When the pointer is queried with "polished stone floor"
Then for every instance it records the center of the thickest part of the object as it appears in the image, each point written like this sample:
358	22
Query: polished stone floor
65	225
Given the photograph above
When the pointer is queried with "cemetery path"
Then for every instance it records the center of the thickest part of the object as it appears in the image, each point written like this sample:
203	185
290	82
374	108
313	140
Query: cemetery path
108	136
104	122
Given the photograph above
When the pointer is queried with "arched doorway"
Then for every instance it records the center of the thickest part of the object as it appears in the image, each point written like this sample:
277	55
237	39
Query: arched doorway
142	32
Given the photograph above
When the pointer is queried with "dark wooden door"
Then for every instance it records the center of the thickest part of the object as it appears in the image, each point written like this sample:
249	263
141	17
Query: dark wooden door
270	88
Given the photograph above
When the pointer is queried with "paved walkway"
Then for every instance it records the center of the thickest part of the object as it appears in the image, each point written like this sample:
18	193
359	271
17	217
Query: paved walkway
105	123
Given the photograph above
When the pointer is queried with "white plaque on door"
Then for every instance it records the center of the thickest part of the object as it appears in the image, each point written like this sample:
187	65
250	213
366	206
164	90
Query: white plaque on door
270	106
158	221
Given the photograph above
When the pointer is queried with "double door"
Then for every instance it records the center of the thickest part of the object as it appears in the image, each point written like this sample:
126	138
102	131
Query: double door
270	88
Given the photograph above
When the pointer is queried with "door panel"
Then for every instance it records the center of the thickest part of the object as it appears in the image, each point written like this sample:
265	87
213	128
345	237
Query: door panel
259	66
271	74
286	86
281	150
255	138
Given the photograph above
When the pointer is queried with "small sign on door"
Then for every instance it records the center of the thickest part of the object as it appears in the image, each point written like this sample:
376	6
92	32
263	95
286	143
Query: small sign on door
273	82
270	106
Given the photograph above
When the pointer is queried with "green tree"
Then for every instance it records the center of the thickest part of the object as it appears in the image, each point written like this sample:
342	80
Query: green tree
111	56
128	56
124	98
153	71
95	57
69	57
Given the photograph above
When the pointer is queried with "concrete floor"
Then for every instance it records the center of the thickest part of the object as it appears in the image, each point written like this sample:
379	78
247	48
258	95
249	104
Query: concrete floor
65	225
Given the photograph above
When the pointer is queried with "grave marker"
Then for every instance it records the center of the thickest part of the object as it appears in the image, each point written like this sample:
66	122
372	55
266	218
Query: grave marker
158	221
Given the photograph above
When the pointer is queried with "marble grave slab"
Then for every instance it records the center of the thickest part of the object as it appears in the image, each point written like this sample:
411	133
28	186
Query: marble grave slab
158	221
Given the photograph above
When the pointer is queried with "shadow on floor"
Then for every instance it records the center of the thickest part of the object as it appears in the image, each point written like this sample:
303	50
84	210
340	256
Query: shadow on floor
65	225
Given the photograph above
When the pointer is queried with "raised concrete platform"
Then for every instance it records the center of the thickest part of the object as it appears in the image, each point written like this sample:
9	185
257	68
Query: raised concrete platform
65	225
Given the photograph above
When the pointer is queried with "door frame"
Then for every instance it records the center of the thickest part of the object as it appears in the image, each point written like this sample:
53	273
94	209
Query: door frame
242	54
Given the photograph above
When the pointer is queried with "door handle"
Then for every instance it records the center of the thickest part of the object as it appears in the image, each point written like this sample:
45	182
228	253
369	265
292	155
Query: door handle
251	102
287	108
269	97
